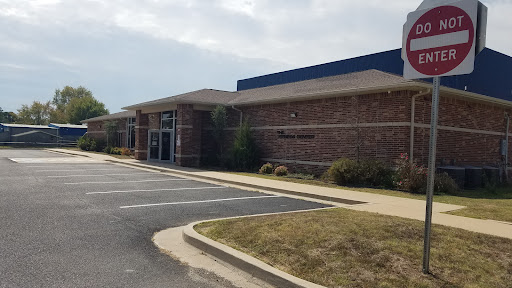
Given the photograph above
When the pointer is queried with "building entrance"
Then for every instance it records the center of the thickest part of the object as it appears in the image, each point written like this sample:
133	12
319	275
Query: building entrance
161	145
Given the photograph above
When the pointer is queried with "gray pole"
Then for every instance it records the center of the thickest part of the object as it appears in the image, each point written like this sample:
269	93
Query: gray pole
431	173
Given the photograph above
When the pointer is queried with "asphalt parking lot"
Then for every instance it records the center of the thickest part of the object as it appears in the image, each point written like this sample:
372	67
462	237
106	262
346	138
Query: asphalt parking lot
72	222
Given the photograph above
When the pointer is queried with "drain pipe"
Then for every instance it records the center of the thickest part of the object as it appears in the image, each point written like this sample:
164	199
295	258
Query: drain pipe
411	136
506	147
241	114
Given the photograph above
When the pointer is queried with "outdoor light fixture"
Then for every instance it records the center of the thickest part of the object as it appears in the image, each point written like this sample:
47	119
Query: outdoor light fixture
294	114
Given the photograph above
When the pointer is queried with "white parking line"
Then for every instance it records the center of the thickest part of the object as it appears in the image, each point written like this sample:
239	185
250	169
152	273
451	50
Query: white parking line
99	175
136	181
61	166
83	170
203	201
155	190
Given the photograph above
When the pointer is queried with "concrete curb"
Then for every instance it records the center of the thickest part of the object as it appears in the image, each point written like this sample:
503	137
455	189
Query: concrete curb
242	261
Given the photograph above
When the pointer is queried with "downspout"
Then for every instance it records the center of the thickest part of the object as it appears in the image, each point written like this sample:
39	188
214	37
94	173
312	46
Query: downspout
506	147
411	136
241	114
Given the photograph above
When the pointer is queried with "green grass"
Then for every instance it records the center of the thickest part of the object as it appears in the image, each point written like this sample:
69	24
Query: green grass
480	203
345	248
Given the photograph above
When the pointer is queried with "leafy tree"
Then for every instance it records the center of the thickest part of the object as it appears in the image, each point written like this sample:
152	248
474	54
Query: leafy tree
2	115
81	108
245	151
62	97
219	118
111	131
36	114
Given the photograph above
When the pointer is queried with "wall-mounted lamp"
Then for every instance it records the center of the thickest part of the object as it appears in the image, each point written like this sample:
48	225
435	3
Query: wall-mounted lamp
294	114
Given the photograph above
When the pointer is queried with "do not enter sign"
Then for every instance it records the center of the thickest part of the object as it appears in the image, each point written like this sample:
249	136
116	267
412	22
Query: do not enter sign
440	41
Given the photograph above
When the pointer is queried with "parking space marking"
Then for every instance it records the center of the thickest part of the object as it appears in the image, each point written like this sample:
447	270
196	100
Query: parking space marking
134	181
103	169
156	190
201	201
55	160
61	166
100	175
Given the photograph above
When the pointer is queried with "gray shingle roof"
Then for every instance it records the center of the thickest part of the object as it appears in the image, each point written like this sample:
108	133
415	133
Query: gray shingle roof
203	96
369	80
119	115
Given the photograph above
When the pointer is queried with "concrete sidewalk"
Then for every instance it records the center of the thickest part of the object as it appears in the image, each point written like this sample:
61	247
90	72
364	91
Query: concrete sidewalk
361	201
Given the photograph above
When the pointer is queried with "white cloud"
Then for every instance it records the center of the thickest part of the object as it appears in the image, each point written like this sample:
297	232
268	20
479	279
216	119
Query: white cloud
73	37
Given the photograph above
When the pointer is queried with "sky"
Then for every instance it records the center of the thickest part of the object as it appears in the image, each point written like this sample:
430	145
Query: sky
131	51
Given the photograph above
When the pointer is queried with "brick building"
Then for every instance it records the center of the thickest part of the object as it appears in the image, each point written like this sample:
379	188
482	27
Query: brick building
125	127
358	108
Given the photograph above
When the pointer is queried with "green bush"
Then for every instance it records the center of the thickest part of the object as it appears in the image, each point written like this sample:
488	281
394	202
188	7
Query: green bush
369	172
244	152
344	171
375	173
86	143
266	169
443	183
281	171
113	150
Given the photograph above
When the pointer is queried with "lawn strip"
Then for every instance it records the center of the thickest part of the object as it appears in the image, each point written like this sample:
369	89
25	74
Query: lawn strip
480	203
341	247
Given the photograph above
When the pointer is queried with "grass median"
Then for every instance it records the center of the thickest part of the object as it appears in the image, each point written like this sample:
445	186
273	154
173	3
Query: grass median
341	247
480	203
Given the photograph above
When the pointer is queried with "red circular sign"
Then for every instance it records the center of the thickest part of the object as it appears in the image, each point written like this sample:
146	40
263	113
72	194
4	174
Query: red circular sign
440	40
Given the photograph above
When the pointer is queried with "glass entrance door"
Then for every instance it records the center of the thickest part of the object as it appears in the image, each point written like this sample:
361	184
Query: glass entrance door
166	145
161	145
154	145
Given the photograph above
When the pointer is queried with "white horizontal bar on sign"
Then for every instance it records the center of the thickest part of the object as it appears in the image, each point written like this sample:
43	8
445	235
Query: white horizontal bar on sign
454	38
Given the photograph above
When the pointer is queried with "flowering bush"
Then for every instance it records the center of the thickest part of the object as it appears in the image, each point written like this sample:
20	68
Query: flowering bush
266	169
409	176
281	171
125	151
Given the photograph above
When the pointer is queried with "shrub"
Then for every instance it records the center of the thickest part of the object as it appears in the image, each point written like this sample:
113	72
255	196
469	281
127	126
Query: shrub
375	173
126	152
409	176
86	143
281	171
443	183
344	171
219	118
108	149
266	169
100	145
244	153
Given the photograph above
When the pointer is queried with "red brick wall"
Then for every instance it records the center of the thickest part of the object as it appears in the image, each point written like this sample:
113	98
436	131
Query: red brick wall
383	130
188	129
96	130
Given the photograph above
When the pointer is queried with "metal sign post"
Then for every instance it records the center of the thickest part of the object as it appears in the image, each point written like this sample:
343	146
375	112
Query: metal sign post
441	38
431	173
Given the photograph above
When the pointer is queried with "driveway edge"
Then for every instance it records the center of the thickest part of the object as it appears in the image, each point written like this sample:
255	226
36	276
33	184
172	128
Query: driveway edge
242	261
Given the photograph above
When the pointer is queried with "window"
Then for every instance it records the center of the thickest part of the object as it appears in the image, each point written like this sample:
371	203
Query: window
168	120
131	132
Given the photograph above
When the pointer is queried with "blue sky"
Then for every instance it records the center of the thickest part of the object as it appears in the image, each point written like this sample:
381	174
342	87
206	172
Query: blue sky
132	51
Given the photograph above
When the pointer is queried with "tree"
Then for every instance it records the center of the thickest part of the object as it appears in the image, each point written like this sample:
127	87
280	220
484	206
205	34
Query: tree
245	152
36	114
111	131
62	97
81	108
219	118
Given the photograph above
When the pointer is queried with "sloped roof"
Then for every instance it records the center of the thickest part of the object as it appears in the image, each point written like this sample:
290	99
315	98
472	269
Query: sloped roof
118	115
67	126
369	79
203	96
26	126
